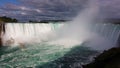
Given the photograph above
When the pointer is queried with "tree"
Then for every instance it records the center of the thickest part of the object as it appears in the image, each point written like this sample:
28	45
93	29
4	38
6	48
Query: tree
7	19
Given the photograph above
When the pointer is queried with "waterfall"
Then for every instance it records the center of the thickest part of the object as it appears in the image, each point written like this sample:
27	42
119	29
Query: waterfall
108	31
29	32
39	32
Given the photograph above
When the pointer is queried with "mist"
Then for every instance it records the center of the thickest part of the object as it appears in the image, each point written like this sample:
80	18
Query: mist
77	31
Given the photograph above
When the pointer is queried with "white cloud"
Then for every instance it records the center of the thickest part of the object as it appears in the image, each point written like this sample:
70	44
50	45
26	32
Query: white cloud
38	10
23	13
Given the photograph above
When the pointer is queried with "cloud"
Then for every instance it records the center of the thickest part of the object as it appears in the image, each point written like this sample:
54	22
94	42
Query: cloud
43	9
110	8
55	9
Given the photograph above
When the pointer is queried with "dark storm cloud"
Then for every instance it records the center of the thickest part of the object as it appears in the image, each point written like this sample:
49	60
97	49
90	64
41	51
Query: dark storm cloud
43	9
55	9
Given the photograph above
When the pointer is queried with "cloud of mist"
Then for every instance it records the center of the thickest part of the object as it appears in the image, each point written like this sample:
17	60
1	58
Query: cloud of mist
78	30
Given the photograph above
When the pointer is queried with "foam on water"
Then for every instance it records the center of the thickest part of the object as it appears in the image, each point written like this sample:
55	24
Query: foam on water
41	55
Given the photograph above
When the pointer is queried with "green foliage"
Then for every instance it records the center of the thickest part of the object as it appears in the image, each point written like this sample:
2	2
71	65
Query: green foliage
7	19
47	21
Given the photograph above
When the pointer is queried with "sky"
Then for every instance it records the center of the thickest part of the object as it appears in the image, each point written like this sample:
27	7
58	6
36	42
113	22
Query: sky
3	2
25	10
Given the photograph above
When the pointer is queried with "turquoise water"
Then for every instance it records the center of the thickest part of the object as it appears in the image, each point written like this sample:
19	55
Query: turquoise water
43	56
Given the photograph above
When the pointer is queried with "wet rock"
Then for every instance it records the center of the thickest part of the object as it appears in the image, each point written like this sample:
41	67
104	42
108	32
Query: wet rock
108	59
2	31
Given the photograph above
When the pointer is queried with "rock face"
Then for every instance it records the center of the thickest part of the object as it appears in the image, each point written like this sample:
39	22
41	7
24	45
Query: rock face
118	43
0	35
108	59
2	31
0	42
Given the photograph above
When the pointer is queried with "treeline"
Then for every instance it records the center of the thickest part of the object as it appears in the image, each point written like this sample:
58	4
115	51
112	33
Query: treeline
114	21
47	21
7	19
13	20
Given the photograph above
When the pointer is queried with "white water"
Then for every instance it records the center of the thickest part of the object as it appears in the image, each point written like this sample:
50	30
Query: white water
108	31
30	33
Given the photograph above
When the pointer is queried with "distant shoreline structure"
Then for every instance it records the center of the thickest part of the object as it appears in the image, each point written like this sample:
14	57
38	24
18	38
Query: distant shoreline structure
13	20
114	21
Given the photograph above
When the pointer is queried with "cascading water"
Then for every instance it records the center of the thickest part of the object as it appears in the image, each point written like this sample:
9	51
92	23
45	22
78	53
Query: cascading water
29	32
108	30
